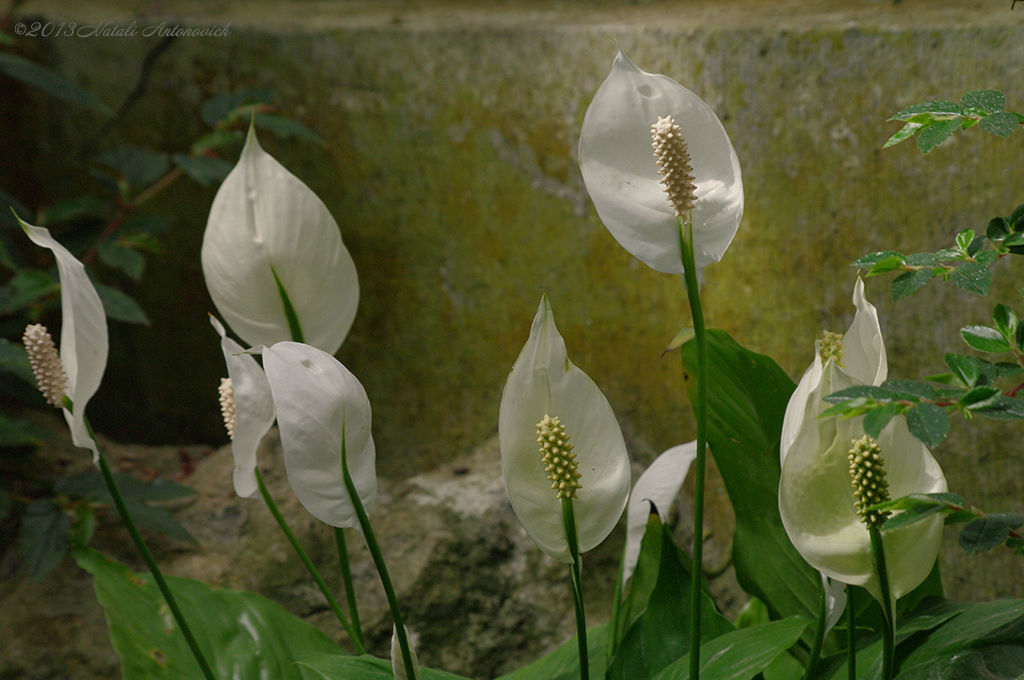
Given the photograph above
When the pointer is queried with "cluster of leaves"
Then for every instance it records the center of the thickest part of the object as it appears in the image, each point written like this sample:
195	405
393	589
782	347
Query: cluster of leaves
982	532
967	264
934	122
48	531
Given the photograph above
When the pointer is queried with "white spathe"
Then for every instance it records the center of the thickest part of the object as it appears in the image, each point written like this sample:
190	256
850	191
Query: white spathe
544	382
621	174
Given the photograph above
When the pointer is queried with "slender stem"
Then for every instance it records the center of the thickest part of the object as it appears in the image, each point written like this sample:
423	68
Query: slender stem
297	547
378	561
819	634
700	408
346	576
889	615
575	575
851	634
154	569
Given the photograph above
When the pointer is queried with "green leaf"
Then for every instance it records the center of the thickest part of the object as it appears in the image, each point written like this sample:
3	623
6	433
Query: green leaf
1002	124
974	277
1006	321
937	108
159	520
985	339
73	209
43	541
866	392
929	423
965	370
909	282
139	167
987	101
1002	407
26	287
119	307
985	641
561	664
14	359
242	635
979	397
872	259
909	389
202	169
876	419
90	486
21	432
890	264
743	653
335	666
998	229
286	128
988	531
50	82
662	633
906	132
747	398
117	256
936	134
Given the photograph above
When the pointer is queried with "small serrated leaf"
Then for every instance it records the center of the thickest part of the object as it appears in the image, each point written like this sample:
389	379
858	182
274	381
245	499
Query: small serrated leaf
1005	320
887	265
984	533
937	108
906	132
985	339
988	101
1001	124
928	423
871	259
965	370
876	419
909	389
120	307
979	397
998	229
936	134
974	277
909	282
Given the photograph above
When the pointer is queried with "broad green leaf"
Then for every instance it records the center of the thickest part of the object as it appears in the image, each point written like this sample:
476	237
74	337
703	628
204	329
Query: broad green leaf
21	432
1002	407
90	486
985	339
159	520
43	541
14	359
965	370
872	259
138	167
974	277
979	397
909	282
564	662
876	419
868	392
286	128
338	667
889	264
747	398
662	633
998	229
202	169
741	654
643	580
119	306
909	389
1002	124
937	108
936	134
988	531
929	423
26	287
906	132
50	82
985	641
242	635
988	101
1005	320
127	260
73	209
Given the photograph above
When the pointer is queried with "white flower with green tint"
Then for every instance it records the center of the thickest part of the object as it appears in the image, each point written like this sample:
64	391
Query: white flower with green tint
274	260
83	335
581	455
817	498
318	403
624	180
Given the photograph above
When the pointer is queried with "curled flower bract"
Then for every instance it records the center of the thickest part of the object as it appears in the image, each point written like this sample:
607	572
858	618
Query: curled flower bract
816	496
83	335
622	175
269	236
543	383
318	401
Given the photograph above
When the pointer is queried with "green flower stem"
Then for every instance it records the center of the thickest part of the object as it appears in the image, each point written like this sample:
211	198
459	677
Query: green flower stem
346	575
140	544
700	408
378	561
575	575
851	634
819	635
331	602
889	614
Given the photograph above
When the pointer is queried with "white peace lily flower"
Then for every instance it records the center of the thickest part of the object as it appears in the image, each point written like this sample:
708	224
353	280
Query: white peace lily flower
397	662
816	498
83	341
317	401
252	410
269	233
659	484
544	383
623	178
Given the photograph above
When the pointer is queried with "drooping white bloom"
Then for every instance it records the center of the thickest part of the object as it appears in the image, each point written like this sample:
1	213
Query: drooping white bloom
623	179
318	401
816	499
544	383
253	410
270	236
83	335
659	484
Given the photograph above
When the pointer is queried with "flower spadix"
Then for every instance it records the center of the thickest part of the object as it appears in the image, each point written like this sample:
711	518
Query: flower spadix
83	338
636	194
821	496
318	403
559	439
248	410
271	247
